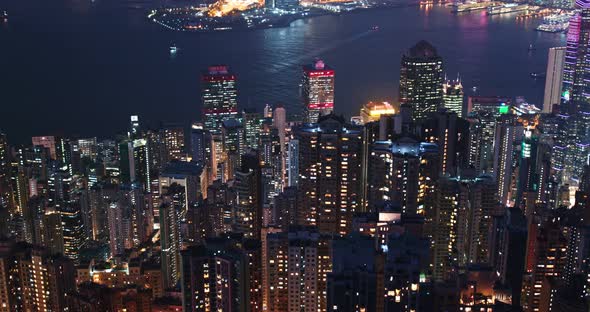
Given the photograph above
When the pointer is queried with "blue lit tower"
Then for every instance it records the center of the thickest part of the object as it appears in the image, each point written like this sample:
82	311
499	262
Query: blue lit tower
571	148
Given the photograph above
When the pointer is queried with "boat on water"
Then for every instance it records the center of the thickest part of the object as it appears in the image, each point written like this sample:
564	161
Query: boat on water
173	49
375	28
538	75
532	47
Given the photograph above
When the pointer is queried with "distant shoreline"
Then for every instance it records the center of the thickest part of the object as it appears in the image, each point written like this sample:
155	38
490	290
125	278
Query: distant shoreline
282	21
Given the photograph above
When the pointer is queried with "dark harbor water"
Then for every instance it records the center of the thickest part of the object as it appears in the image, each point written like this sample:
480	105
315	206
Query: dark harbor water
78	67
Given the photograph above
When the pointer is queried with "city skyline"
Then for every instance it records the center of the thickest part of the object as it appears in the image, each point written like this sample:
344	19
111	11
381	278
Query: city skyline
444	199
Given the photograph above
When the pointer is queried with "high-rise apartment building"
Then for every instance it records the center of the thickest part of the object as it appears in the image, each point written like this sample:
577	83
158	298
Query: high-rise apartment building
32	280
329	173
464	208
297	263
404	171
318	90
421	80
220	97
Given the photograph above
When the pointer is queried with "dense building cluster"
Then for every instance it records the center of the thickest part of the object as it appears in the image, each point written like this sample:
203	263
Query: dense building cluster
435	203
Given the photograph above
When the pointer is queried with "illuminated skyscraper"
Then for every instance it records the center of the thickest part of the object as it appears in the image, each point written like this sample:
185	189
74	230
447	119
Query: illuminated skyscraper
571	148
554	79
252	124
296	266
404	172
421	80
464	208
329	174
453	96
31	280
249	195
318	90
171	208
507	132
220	97
173	139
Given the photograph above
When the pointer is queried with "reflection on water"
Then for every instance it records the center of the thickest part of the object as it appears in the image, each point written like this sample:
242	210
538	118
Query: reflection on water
74	59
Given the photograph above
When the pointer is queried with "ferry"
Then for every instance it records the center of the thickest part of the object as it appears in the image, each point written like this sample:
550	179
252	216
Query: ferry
507	8
375	28
173	49
537	75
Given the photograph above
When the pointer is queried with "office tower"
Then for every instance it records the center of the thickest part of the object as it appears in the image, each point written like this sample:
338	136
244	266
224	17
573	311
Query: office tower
554	78
464	208
249	195
372	111
481	141
271	160
453	96
173	139
507	133
571	148
449	132
223	274
318	90
233	144
528	178
405	172
496	105
32	280
134	162
200	145
293	162
252	126
421	80
329	173
134	129
63	197
297	263
220	97
170	215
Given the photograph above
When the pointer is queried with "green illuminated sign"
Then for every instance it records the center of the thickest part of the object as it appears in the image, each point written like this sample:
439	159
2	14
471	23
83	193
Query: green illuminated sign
504	109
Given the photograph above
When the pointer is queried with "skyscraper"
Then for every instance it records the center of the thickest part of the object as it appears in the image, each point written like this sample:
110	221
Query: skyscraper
571	148
453	96
318	90
421	80
554	79
220	97
329	173
248	207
